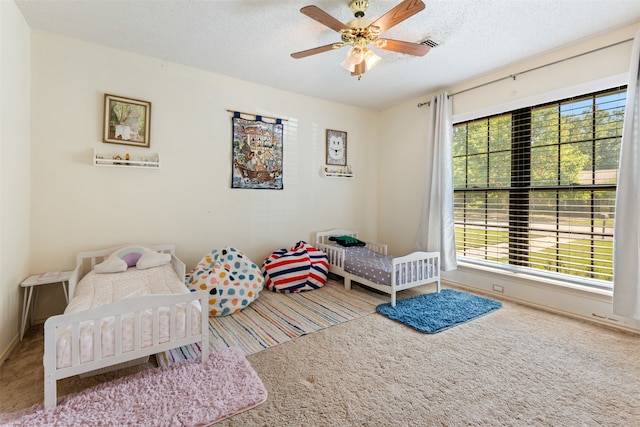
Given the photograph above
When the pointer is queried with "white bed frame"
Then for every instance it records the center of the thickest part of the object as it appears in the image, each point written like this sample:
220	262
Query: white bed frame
404	270
86	261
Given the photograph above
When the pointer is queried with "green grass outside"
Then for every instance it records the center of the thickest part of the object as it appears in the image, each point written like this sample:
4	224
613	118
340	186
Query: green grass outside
572	258
478	237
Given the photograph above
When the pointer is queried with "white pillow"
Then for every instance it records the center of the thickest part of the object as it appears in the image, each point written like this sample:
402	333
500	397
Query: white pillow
111	265
153	259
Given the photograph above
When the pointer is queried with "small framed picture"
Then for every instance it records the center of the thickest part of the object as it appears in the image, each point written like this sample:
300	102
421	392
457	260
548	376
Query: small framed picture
127	121
336	147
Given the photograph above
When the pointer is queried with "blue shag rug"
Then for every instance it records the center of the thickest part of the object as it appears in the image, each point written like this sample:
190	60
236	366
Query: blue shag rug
435	312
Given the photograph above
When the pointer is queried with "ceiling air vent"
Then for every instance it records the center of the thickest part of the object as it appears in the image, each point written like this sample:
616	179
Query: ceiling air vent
429	42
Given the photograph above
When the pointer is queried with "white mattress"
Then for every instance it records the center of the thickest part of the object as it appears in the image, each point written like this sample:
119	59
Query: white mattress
96	290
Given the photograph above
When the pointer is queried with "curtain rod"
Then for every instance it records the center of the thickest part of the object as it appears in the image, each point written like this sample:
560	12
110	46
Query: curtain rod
513	76
257	115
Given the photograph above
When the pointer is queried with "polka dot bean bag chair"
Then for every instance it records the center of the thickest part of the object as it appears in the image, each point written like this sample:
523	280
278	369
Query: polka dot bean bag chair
300	268
232	279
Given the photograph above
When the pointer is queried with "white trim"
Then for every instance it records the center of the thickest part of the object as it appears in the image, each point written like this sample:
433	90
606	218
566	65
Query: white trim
568	299
554	95
576	282
593	318
514	273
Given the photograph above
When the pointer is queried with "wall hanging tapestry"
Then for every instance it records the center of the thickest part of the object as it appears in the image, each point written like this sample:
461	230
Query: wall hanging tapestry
257	153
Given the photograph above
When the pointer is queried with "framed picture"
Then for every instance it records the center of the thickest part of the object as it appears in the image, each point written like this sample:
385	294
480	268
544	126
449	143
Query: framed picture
336	147
126	121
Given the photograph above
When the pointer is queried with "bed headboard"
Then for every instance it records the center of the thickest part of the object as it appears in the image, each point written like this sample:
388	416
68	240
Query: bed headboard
322	237
87	260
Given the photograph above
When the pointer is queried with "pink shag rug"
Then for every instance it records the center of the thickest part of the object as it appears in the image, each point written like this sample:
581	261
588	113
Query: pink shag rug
185	394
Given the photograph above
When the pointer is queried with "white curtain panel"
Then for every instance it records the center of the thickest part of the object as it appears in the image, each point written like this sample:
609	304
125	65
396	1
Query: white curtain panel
435	231
626	233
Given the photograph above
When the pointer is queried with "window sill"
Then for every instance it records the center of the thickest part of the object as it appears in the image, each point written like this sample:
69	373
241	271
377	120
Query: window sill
606	294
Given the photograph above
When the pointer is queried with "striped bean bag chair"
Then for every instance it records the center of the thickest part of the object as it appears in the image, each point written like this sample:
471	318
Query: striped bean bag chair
300	268
232	279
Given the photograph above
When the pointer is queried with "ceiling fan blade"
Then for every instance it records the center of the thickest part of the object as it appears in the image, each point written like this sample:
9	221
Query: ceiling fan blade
415	49
314	12
402	11
360	69
314	51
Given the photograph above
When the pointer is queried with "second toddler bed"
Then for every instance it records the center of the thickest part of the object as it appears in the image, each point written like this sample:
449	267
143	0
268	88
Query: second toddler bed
371	266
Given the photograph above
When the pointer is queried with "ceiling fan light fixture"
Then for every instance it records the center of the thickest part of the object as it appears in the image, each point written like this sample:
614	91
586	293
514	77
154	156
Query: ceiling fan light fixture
348	65
370	59
354	56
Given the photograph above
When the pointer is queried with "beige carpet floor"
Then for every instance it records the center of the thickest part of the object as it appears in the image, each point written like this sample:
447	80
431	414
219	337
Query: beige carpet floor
514	367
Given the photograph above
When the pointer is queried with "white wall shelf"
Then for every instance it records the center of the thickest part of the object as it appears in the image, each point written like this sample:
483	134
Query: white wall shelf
336	171
338	175
150	161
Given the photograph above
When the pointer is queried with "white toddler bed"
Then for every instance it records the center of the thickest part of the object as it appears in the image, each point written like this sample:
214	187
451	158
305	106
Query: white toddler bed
141	311
371	266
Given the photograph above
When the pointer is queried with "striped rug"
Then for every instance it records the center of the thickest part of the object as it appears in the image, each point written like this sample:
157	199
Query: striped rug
275	318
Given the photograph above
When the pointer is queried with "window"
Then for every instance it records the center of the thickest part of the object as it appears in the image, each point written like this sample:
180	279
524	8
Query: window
534	188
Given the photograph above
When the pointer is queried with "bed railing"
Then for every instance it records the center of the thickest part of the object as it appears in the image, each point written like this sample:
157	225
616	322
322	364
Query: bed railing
115	313
335	254
414	268
322	237
380	248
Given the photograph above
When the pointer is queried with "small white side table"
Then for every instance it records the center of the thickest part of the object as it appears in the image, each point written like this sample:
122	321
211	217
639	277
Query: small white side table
32	282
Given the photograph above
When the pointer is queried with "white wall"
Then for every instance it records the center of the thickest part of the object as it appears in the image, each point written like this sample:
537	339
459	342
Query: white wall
14	167
402	152
77	206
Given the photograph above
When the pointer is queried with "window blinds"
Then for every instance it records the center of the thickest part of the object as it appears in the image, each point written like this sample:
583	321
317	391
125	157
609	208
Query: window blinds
535	187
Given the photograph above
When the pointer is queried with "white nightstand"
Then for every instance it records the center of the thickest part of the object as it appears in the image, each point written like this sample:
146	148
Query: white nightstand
35	281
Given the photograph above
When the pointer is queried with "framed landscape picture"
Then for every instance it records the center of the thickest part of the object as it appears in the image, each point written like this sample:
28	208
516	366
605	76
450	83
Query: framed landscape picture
336	147
127	121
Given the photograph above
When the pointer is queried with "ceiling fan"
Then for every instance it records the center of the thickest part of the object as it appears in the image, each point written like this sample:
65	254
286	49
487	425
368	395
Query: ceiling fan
361	33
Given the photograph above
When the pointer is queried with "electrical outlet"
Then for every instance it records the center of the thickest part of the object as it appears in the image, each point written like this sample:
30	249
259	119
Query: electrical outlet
498	288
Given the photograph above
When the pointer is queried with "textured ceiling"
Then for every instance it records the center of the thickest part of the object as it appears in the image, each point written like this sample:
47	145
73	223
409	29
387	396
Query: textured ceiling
253	40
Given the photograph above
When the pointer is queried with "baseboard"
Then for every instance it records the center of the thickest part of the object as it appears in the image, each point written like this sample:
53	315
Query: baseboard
7	352
607	321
